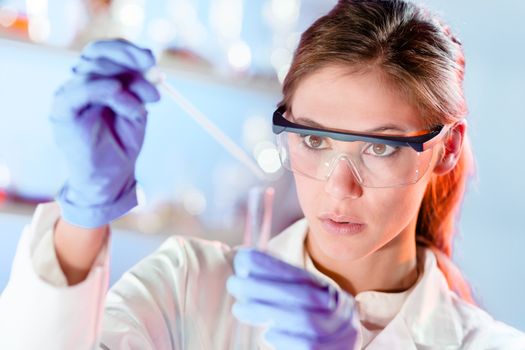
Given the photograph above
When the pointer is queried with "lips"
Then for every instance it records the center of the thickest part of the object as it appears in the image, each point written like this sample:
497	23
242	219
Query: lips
341	224
340	218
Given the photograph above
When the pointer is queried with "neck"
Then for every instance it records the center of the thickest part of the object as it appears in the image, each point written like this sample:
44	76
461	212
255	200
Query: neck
392	268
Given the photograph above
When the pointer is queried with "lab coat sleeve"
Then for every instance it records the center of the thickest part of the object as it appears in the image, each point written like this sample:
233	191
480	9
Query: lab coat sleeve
40	314
143	309
45	261
174	299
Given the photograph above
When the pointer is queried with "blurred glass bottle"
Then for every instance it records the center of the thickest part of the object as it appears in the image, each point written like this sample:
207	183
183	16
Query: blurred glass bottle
256	235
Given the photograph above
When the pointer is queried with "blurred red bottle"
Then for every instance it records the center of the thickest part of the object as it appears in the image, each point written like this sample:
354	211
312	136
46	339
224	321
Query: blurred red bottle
3	196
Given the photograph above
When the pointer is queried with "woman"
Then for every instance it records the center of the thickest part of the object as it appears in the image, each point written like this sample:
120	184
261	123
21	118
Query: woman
371	124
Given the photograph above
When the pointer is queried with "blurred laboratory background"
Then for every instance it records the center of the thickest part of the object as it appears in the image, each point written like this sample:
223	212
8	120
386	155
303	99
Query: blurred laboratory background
228	58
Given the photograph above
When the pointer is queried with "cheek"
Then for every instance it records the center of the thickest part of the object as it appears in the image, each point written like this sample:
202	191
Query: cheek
308	190
393	209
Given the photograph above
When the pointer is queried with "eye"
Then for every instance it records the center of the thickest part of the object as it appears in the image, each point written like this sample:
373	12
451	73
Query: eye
380	150
313	142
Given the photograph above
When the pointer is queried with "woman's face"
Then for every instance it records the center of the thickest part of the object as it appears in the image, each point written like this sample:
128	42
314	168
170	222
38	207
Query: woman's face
337	99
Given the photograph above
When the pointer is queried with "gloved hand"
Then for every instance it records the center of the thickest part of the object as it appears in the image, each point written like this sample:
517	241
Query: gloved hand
99	119
300	310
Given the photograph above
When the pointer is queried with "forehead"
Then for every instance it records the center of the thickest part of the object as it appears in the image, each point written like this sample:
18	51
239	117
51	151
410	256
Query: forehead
337	98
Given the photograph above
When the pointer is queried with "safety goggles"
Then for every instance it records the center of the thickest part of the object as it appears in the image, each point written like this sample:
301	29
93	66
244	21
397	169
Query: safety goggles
375	159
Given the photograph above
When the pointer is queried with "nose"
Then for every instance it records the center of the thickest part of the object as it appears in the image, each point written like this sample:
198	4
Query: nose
342	182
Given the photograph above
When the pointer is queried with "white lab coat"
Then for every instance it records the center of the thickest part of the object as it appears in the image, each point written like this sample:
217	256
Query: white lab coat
176	299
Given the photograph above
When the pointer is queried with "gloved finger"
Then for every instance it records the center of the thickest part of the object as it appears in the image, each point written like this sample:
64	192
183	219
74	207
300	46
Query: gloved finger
99	66
121	52
144	90
305	296
130	133
127	105
252	262
77	94
308	323
97	127
283	340
141	87
74	96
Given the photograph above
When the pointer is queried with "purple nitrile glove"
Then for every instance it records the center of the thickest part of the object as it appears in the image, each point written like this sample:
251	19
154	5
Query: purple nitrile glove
299	310
99	119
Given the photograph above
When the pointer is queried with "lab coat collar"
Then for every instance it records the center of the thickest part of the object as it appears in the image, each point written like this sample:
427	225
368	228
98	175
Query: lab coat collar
427	317
289	244
429	311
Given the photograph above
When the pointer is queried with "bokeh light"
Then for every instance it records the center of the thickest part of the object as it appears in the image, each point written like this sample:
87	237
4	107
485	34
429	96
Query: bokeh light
268	160
194	201
240	55
130	15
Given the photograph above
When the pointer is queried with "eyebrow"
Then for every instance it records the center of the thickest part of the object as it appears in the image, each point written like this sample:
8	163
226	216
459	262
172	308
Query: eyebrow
387	127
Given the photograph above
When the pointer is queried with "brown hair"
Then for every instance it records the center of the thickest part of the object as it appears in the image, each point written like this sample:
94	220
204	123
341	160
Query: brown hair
420	57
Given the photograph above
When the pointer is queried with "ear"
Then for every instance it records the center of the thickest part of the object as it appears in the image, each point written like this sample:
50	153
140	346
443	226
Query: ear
452	146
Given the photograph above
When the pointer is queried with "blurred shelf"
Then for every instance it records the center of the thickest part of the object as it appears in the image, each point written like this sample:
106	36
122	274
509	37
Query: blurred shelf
170	63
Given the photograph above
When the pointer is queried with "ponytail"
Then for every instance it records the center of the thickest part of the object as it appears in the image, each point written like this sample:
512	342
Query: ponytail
438	216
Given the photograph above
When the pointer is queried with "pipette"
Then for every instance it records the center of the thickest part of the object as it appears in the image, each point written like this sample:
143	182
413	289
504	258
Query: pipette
157	77
260	201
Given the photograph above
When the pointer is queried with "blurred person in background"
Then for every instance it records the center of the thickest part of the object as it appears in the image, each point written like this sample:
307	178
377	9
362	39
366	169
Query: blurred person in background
372	126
